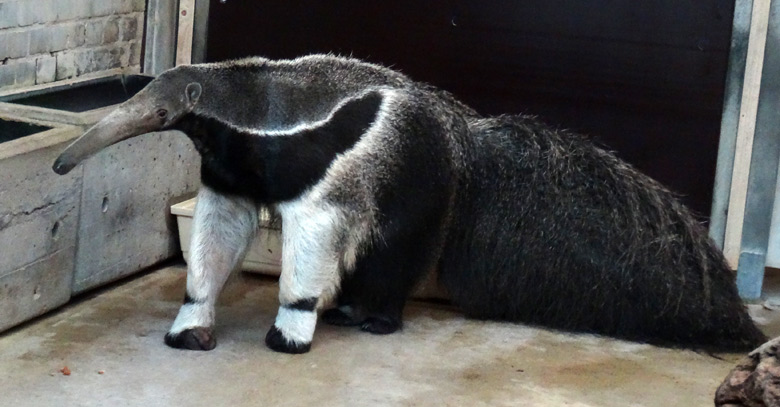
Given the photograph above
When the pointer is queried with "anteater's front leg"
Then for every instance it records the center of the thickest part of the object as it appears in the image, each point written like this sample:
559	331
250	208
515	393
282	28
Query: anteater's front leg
223	227
310	273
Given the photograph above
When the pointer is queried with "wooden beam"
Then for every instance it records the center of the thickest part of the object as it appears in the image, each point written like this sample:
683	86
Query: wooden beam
765	158
185	34
745	131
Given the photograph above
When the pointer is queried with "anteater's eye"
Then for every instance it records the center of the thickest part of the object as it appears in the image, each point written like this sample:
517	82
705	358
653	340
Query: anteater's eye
162	113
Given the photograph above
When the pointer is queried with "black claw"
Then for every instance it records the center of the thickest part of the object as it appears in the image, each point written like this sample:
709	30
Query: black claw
276	341
380	326
198	338
335	316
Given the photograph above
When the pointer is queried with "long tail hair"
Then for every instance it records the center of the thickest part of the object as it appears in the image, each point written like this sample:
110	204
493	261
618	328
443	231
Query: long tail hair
550	229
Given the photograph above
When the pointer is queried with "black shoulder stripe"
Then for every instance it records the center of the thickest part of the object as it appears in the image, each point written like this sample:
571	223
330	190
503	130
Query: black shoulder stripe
296	162
273	168
347	124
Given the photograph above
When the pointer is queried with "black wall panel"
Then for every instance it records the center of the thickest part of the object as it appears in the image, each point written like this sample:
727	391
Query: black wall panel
644	78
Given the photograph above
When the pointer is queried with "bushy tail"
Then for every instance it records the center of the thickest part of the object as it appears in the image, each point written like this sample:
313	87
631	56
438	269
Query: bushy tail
731	328
551	230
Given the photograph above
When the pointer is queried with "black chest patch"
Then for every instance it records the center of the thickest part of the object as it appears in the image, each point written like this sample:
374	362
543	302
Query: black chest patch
275	168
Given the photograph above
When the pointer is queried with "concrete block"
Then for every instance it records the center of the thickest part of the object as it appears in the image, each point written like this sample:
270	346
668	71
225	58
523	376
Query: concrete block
7	76
38	12
140	21
67	10
82	61
14	44
109	7
139	5
20	72
9	14
93	31
53	38
135	54
108	58
46	69
75	34
42	40
111	30
125	224
108	30
103	58
66	65
128	27
36	271
25	72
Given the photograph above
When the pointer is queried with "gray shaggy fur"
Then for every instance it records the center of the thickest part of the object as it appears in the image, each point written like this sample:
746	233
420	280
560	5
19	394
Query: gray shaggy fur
282	94
556	231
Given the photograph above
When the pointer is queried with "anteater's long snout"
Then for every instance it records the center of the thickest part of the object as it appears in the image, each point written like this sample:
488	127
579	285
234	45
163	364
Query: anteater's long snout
120	125
84	146
61	167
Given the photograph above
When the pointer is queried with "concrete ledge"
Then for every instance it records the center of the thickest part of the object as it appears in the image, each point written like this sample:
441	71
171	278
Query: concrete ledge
84	119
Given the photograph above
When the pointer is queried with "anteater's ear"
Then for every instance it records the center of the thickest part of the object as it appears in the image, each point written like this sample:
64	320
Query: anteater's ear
193	93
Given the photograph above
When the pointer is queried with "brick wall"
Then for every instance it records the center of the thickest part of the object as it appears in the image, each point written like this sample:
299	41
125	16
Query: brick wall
43	41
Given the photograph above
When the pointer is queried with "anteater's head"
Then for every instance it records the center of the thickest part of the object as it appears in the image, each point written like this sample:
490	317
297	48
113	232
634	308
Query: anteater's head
158	106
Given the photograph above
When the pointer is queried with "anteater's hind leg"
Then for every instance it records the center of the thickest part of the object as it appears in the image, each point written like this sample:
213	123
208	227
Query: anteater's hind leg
368	300
372	298
382	284
346	312
223	227
374	294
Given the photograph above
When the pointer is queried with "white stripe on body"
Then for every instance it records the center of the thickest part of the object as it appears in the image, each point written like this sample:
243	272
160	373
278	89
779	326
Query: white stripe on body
295	129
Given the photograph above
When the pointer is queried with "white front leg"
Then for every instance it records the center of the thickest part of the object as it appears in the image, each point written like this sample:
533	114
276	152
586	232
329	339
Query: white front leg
223	228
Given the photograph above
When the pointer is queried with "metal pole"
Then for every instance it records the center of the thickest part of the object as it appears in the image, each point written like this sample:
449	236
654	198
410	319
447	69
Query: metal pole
763	168
160	53
200	34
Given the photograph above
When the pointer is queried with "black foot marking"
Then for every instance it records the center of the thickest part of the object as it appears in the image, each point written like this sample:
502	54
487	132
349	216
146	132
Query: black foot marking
276	341
335	316
198	338
380	326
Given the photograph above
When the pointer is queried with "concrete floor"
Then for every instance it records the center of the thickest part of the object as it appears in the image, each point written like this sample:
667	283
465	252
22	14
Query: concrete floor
439	359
